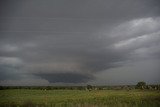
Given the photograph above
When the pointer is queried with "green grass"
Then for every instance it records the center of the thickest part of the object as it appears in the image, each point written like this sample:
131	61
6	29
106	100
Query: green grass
79	98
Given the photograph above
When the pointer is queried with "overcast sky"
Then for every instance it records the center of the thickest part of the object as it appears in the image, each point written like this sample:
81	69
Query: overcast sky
78	42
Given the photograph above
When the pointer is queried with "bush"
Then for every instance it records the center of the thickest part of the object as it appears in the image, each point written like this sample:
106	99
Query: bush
141	85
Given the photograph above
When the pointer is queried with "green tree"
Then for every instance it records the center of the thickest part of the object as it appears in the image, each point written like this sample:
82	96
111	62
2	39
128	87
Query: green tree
141	85
89	87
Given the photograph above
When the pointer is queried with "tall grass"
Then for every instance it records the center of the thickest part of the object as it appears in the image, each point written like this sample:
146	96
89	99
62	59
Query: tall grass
78	98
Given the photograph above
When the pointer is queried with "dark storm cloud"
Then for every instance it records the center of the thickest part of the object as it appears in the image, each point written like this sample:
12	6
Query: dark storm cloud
8	72
72	41
66	77
78	9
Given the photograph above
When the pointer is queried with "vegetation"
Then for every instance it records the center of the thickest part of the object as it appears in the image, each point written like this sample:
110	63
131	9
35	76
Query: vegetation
141	95
78	98
88	87
141	85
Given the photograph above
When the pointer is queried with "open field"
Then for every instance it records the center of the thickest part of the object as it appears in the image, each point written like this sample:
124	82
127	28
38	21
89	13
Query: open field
79	98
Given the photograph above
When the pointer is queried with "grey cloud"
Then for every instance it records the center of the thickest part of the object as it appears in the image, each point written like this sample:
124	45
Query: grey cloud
130	73
66	77
76	40
135	28
76	8
8	72
138	37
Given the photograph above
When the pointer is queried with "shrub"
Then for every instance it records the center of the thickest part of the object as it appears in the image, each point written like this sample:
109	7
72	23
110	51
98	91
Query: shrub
141	85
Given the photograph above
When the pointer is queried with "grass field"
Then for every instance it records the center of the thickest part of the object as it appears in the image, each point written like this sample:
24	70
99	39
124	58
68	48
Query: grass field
79	98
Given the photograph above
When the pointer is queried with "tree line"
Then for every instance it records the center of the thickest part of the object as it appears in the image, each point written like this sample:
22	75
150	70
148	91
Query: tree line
140	85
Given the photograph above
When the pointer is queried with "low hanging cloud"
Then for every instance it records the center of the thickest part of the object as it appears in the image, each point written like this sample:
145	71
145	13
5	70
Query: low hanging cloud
66	77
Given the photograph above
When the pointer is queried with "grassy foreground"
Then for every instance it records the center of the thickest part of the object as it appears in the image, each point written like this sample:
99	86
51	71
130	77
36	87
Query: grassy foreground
79	98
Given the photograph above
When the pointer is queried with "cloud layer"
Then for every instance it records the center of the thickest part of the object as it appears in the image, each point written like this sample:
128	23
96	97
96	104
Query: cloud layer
79	41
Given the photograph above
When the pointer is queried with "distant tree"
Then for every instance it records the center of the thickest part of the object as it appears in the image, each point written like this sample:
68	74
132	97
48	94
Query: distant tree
89	87
1	87
141	85
48	87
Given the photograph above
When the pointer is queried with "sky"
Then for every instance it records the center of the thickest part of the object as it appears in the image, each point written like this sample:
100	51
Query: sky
79	42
